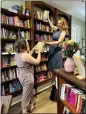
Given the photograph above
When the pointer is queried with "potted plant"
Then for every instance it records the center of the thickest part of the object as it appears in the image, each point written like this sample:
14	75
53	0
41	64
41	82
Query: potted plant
69	49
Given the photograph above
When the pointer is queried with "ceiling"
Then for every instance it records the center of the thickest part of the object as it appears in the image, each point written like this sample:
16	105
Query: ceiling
72	7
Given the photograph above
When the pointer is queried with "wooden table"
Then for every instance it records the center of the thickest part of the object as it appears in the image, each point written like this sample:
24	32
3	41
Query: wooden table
67	78
6	102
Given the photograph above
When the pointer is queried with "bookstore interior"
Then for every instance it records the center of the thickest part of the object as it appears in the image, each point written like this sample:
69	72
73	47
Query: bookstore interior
43	57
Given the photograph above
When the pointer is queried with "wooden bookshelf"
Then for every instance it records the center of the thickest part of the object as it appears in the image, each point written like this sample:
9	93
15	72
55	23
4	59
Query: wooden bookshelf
13	27
22	17
67	78
73	109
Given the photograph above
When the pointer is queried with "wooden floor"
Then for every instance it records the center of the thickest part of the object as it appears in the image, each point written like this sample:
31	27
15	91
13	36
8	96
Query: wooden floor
43	104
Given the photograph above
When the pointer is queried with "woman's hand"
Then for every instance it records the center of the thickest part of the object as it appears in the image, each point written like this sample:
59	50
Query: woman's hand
47	42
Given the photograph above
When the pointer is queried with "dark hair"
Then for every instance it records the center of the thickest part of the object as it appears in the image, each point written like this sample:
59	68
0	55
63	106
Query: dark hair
20	45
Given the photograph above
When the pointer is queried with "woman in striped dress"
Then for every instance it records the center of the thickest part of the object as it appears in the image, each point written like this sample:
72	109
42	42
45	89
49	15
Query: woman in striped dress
25	72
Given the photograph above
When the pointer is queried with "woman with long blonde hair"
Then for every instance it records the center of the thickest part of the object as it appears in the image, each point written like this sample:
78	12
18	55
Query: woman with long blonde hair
55	60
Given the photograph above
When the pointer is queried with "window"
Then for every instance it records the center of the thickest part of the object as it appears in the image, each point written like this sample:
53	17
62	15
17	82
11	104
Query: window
76	33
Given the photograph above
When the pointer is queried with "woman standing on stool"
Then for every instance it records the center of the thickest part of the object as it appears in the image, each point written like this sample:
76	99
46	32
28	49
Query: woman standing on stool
25	74
55	60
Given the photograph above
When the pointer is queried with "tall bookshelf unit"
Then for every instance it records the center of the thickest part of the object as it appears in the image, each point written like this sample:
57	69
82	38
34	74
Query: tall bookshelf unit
9	27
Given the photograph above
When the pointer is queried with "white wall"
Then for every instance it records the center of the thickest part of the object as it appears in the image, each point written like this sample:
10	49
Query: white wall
9	4
82	26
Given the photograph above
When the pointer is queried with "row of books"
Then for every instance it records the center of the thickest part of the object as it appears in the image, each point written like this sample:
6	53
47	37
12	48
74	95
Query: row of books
41	67
9	34
8	61
15	21
24	34
73	96
42	27
43	76
39	15
44	37
10	88
8	75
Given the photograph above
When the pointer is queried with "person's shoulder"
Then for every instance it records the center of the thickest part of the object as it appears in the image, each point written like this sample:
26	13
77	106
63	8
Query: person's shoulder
25	54
63	31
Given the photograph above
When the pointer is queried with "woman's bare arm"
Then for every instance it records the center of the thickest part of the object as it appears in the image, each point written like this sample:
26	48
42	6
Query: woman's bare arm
52	26
61	38
26	57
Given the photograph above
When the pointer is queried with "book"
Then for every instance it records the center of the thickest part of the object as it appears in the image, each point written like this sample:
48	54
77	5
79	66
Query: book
16	20
40	45
65	92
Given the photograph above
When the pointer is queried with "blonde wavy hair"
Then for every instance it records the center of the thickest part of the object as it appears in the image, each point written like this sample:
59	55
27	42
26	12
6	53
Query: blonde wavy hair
64	24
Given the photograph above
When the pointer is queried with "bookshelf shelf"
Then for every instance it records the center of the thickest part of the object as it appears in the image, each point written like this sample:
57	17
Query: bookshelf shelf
10	13
41	40
43	82
7	40
43	32
8	67
43	52
18	92
13	27
41	21
73	109
41	71
9	81
6	53
44	61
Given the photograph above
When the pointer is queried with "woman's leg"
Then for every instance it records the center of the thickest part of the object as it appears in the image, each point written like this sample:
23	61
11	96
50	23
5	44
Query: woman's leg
27	95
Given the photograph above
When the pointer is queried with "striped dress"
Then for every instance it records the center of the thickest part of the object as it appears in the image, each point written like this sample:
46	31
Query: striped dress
25	74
